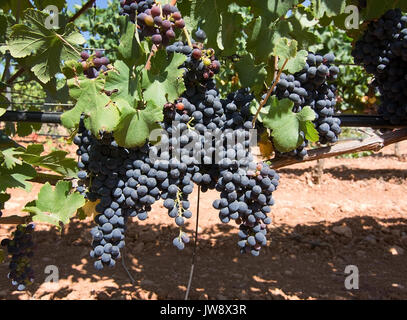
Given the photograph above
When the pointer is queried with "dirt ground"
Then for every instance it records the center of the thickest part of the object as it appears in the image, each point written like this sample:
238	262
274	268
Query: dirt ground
356	216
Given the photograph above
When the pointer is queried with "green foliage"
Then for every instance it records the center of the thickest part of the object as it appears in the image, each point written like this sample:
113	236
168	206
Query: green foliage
331	8
287	125
56	161
55	205
42	47
136	125
163	82
16	177
130	50
128	99
100	112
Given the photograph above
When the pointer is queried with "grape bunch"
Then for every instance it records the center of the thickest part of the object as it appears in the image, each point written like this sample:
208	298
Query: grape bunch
94	64
246	198
382	52
155	21
311	87
123	180
20	247
200	66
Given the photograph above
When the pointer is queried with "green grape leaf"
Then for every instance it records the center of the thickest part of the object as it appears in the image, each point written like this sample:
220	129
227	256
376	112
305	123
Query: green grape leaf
3	104
285	124
123	83
285	48
4	197
56	161
99	110
72	68
250	74
272	9
260	39
3	28
329	8
230	31
6	142
9	157
311	133
207	14
136	125
295	64
130	49
16	7
164	81
16	177
43	48
55	205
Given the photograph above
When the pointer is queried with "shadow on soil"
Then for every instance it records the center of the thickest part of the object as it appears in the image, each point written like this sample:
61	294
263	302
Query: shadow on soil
301	262
352	174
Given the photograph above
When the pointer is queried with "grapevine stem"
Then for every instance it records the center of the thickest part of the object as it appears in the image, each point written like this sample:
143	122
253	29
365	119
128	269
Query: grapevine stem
187	36
148	63
275	81
68	44
195	246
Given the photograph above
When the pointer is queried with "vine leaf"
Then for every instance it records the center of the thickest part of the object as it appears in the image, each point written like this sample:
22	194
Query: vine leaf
55	205
15	6
136	125
9	157
3	29
287	125
212	16
72	68
251	75
260	39
130	49
330	8
272	9
295	64
4	197
56	161
43	48
285	48
123	83
3	104
99	110
88	210
16	177
164	81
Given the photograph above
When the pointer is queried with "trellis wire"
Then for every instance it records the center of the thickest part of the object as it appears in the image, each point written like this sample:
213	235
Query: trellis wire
355	121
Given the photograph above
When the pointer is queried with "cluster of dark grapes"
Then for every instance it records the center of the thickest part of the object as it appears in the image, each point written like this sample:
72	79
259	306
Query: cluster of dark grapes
20	247
155	21
125	183
200	66
382	52
94	64
246	198
311	87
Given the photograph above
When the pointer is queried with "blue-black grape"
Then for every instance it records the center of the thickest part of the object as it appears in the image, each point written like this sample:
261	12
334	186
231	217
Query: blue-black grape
20	247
